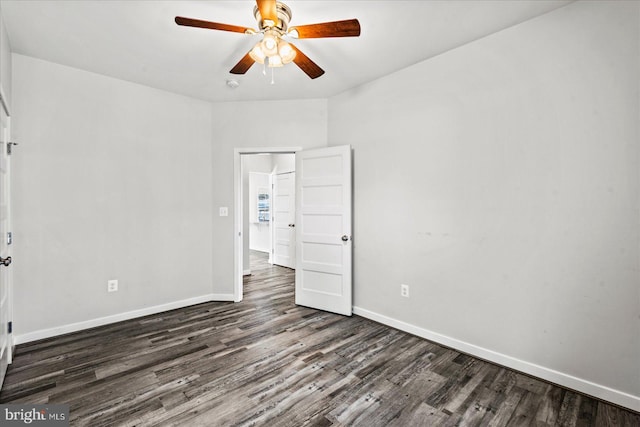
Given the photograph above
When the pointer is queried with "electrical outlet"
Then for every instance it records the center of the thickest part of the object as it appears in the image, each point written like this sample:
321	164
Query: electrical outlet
404	291
224	211
112	286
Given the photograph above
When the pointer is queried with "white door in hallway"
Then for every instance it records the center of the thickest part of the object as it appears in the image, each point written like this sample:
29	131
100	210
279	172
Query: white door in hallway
284	208
323	229
5	259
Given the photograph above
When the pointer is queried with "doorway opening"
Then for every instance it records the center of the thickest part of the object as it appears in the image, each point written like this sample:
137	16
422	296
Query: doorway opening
254	169
268	209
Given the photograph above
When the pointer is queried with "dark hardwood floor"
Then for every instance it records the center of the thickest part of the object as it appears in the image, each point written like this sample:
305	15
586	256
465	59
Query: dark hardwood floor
266	361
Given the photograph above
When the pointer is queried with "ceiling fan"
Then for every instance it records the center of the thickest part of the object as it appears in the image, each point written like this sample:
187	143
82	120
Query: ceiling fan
273	51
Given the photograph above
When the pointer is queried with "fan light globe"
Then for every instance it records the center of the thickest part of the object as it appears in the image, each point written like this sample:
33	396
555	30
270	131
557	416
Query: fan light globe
257	54
275	61
270	43
286	52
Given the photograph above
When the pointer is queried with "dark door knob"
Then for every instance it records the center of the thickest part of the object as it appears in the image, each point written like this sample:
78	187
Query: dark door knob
5	261
345	238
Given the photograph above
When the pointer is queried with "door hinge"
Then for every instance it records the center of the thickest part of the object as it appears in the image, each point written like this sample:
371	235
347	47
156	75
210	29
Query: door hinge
9	237
9	147
10	327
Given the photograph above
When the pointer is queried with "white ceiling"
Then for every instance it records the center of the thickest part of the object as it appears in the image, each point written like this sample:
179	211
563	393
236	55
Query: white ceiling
138	41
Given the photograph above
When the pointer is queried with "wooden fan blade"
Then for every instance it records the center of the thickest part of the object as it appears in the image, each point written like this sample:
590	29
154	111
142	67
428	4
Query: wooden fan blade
243	66
347	28
189	22
308	66
267	10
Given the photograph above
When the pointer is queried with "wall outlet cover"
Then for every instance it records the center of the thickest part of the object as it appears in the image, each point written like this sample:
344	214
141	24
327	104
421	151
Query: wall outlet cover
404	290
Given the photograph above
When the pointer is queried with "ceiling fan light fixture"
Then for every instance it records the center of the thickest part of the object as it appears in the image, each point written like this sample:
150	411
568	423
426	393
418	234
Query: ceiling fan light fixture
272	50
273	23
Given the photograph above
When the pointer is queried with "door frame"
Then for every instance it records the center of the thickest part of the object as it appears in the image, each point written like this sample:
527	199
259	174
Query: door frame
238	266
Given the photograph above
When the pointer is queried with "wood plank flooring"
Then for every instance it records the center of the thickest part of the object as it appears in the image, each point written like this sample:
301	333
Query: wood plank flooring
266	361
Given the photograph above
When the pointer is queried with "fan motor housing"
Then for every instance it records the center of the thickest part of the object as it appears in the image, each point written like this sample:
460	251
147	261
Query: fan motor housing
284	16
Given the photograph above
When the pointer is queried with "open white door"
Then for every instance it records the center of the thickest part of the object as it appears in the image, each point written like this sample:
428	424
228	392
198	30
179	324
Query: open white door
284	218
323	229
5	259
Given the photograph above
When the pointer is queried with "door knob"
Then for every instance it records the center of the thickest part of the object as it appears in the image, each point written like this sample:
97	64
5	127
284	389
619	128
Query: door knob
292	225
5	261
345	238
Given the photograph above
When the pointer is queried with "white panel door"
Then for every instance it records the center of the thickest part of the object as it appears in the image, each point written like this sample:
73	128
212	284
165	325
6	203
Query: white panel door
323	229
5	300
284	210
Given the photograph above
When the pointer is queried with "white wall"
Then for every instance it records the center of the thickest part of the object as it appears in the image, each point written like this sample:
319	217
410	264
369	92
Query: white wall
300	123
119	181
5	61
112	181
500	181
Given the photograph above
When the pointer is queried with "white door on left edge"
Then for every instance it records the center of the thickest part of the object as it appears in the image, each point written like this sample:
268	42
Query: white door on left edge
323	229
5	259
284	218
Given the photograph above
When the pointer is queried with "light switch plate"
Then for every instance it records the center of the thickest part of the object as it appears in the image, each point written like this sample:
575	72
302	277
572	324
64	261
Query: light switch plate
224	211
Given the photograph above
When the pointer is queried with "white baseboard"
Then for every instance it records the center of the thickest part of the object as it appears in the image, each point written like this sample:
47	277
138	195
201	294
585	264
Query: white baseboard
92	323
246	273
578	384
